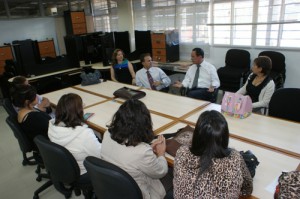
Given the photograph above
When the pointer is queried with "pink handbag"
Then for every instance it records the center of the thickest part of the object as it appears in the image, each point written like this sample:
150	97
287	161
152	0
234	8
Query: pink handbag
236	105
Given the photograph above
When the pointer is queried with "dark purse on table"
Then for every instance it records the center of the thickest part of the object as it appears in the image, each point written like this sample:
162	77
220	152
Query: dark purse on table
90	76
128	93
184	136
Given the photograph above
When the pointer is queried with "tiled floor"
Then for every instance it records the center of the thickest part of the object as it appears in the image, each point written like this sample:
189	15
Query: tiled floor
18	181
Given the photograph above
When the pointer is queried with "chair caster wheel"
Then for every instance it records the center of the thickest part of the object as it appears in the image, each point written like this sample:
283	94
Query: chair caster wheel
35	197
39	179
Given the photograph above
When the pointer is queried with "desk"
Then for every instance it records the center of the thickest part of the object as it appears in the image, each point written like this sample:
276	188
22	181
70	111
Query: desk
60	72
105	111
100	66
270	167
178	66
265	136
272	133
104	89
87	98
171	105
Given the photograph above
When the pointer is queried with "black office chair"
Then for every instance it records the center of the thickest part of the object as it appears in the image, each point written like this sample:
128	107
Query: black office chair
278	67
24	142
285	104
237	66
7	104
110	181
62	168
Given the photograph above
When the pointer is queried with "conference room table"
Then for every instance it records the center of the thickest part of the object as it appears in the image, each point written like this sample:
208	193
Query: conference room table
275	142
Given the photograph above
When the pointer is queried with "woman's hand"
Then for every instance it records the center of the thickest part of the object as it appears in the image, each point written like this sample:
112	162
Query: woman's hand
159	145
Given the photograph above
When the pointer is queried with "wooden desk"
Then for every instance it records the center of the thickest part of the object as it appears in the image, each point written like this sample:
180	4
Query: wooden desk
105	111
87	98
171	105
105	89
100	65
272	133
270	167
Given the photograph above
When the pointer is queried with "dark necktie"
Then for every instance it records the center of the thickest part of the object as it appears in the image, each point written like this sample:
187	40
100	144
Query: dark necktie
195	82
151	82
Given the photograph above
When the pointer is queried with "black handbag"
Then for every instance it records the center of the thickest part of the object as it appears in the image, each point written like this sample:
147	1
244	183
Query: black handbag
251	161
90	77
128	93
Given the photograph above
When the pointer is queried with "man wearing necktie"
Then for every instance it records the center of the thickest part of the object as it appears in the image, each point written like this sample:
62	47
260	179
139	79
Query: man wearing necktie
201	79
151	77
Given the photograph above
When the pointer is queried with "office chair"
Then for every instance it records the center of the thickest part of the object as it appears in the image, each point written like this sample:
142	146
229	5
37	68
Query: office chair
278	67
62	168
7	104
110	181
237	66
285	104
24	142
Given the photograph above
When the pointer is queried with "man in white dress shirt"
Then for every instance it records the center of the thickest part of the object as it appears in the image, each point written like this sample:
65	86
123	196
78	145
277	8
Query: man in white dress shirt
151	77
201	79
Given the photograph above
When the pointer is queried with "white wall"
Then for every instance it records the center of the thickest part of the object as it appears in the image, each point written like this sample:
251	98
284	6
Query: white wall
36	29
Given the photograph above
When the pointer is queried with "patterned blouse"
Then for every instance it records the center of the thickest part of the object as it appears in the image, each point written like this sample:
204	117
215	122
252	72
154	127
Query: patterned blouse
228	177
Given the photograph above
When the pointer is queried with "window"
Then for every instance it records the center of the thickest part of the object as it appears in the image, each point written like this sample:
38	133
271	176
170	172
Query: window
105	15
261	23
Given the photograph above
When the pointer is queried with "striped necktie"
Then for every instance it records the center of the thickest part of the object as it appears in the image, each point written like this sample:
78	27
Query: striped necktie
151	82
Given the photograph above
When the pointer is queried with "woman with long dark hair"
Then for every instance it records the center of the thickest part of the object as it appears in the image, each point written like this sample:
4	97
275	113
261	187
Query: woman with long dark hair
126	144
209	169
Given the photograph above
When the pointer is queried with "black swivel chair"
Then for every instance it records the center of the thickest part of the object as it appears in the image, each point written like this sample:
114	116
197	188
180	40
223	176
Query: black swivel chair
62	168
7	104
278	67
110	181
285	104
234	73
24	142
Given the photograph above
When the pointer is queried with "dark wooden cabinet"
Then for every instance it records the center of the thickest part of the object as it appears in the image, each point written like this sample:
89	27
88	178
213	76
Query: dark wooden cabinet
5	54
47	48
165	46
75	22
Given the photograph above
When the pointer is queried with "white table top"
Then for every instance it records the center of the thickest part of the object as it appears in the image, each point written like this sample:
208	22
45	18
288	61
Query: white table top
270	167
87	99
104	88
269	131
105	111
171	105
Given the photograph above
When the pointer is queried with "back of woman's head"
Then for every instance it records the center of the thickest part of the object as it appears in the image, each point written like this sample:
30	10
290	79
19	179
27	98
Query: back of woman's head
132	124
210	138
265	63
23	96
69	110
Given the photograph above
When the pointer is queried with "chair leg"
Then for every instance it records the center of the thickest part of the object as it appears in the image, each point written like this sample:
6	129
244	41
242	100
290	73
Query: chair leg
67	192
42	188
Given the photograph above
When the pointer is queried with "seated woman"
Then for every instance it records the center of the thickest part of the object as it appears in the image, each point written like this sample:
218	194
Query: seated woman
69	130
33	121
259	86
209	169
126	144
121	69
43	102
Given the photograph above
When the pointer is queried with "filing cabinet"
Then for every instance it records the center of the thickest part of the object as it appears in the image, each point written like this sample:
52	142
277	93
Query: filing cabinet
47	48
75	22
5	54
165	46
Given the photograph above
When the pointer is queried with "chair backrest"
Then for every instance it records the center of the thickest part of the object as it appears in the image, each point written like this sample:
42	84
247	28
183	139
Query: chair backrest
278	60
60	163
110	181
24	142
278	67
285	104
7	104
238	58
